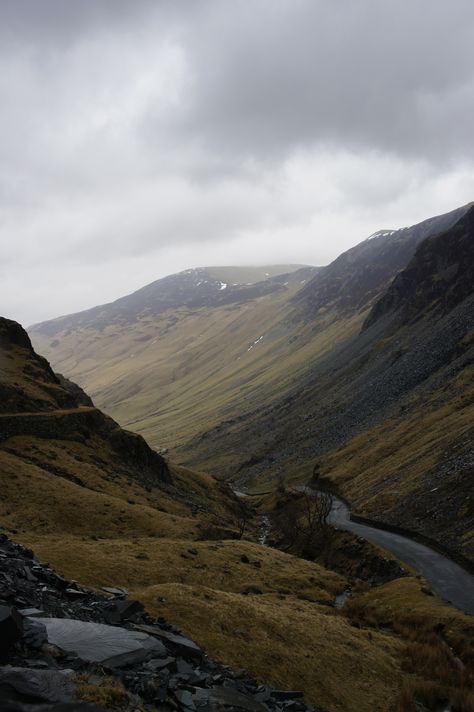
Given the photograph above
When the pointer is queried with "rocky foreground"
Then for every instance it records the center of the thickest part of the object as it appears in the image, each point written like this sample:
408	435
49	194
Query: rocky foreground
64	648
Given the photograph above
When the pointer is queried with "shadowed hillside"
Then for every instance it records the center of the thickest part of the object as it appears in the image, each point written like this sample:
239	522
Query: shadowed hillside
389	411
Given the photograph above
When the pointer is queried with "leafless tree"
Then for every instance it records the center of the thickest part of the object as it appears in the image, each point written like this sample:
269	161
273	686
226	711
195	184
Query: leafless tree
304	522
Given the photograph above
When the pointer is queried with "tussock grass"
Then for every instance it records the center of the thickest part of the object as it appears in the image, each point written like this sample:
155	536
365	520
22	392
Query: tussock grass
293	644
437	654
103	691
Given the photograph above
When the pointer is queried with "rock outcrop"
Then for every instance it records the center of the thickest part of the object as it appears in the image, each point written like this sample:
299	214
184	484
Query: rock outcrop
36	402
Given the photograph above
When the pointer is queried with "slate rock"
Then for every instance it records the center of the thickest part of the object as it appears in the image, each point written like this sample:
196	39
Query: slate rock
11	628
115	591
123	610
288	694
60	707
230	697
36	685
158	664
179	644
34	633
98	643
185	698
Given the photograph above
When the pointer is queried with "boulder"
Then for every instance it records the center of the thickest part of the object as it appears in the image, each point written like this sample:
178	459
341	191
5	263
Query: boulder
11	629
58	707
178	643
104	644
35	685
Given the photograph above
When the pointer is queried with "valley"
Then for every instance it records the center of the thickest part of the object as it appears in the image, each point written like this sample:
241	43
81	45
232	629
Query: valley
356	377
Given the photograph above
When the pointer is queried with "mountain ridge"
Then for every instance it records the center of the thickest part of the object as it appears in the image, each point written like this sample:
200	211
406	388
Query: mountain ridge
193	288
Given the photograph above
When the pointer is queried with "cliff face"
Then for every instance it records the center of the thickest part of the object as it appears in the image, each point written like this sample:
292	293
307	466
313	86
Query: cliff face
35	402
438	277
360	275
27	381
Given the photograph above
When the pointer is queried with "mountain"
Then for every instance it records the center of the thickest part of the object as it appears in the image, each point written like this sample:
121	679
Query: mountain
104	516
342	384
387	412
193	288
324	367
181	341
357	277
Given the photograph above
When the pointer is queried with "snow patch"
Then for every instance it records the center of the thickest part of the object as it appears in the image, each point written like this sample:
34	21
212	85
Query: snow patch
255	343
381	233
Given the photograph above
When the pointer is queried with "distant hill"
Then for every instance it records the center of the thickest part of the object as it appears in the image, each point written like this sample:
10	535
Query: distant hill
193	288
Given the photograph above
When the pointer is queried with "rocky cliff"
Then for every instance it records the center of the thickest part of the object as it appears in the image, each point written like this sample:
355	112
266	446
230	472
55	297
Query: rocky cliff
439	276
36	402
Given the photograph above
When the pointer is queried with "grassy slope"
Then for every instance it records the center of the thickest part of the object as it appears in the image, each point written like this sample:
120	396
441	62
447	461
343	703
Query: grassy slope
123	534
155	375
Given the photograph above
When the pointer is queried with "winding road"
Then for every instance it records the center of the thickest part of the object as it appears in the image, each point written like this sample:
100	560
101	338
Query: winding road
449	580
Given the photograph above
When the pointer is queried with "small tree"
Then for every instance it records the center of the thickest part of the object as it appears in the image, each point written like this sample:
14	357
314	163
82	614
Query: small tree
304	522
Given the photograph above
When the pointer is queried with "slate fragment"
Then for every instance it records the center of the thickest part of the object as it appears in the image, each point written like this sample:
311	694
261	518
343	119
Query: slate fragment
98	643
11	629
37	685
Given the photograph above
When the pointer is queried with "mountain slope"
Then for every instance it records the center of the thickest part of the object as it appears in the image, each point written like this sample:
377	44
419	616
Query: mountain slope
183	342
153	371
311	370
389	412
193	288
359	276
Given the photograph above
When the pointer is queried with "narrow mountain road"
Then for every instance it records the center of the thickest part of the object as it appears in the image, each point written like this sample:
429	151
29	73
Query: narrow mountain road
449	580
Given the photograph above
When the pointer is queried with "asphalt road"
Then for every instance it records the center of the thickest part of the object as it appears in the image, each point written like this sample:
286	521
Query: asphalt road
449	580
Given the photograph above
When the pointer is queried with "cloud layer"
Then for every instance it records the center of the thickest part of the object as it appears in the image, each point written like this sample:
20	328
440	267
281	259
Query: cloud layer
141	138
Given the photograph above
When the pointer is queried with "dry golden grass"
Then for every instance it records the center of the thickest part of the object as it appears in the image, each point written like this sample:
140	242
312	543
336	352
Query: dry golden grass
153	376
113	531
103	691
137	562
32	499
109	531
291	643
437	657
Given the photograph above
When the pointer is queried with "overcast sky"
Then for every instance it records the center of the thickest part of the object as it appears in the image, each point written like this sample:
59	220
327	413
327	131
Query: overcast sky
143	137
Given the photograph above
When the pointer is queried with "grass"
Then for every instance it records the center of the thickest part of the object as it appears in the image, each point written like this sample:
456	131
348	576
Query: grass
103	691
249	606
293	644
153	376
438	653
111	530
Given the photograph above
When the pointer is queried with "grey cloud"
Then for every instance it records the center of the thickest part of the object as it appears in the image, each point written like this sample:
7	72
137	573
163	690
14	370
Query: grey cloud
178	130
367	73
